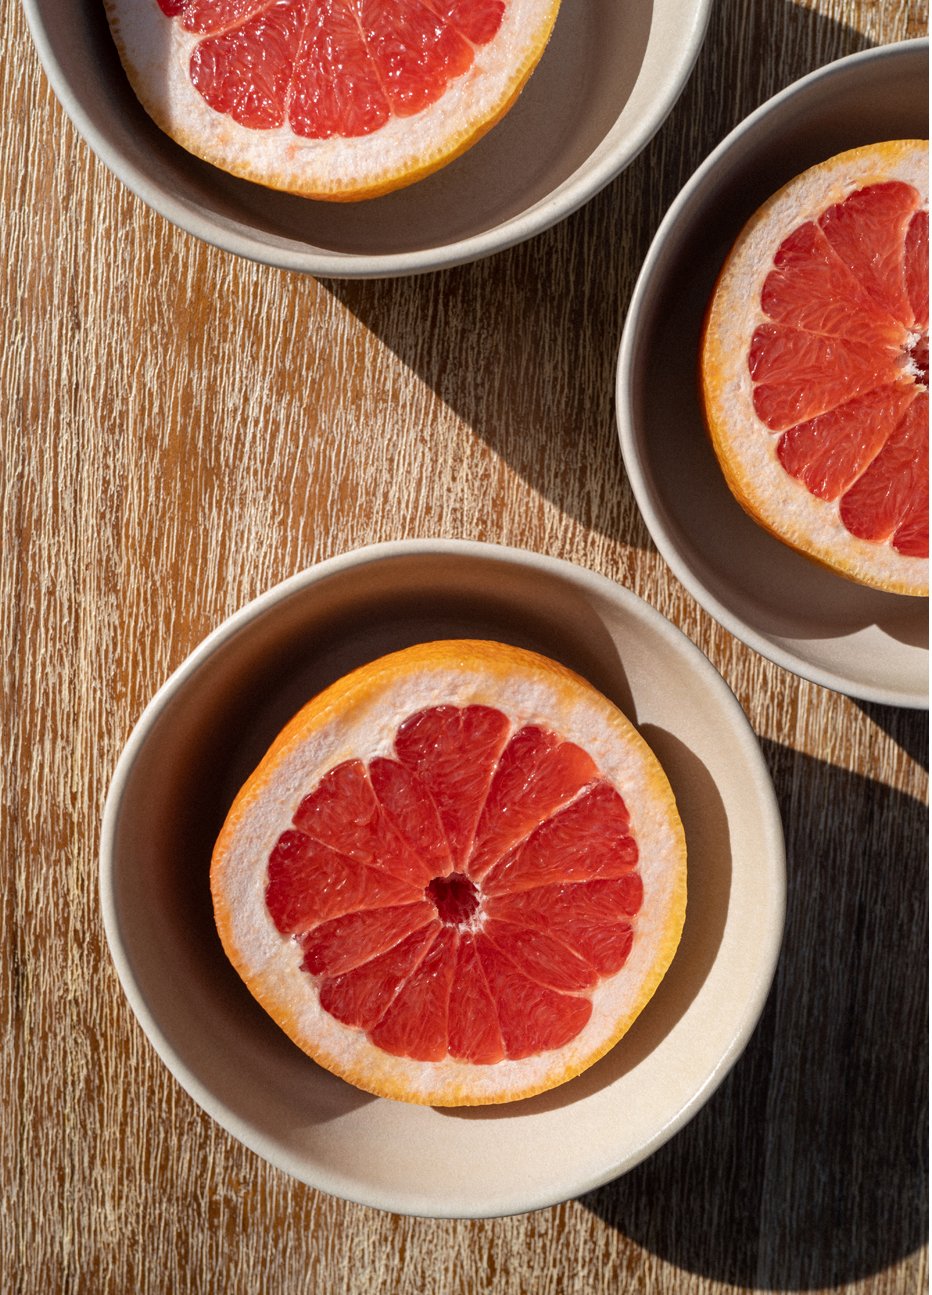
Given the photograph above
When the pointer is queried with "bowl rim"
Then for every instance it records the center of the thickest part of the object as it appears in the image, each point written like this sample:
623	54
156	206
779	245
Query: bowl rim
455	1206
574	193
625	378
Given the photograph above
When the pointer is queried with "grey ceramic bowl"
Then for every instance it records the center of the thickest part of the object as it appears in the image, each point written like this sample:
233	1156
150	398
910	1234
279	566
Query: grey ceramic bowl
609	77
862	642
205	731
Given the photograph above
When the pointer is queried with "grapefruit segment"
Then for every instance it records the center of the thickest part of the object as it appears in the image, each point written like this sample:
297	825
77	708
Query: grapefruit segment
799	375
589	838
472	1020
911	536
415	1021
829	453
531	1017
415	52
336	99
453	753
540	956
811	288
536	774
584	916
244	70
344	813
361	997
814	365
413	813
310	883
917	274
477	20
343	943
434	884
867	233
893	488
203	16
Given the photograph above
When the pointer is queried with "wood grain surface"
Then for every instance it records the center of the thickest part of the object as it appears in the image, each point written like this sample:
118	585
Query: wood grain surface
183	429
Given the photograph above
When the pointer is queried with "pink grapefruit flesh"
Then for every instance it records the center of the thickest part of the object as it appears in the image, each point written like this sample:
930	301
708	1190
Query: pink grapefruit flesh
464	907
336	99
815	365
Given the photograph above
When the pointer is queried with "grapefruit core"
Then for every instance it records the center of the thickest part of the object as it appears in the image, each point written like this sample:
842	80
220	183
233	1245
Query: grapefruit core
815	365
334	99
457	876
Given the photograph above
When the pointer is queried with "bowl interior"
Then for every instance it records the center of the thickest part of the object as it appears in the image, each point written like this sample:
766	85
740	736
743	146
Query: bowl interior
607	79
868	643
207	730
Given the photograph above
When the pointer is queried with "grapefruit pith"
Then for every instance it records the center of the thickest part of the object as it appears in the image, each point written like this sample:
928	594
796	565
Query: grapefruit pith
457	876
333	99
815	365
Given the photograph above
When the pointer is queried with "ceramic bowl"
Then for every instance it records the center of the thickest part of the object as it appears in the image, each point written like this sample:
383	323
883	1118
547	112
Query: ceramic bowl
205	731
606	82
868	644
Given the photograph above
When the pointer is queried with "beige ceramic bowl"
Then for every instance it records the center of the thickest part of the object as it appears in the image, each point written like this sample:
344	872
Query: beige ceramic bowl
204	732
867	644
609	77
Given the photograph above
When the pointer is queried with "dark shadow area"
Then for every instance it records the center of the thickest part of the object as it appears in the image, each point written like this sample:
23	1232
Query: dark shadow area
808	1167
908	729
522	346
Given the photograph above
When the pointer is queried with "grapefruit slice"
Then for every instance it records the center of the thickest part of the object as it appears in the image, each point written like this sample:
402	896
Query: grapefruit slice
815	365
336	99
457	876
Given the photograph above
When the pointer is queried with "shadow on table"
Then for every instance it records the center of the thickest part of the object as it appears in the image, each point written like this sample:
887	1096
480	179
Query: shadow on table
808	1167
910	731
523	346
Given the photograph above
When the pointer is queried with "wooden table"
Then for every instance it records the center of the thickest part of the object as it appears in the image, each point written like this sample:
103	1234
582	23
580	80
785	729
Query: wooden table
184	429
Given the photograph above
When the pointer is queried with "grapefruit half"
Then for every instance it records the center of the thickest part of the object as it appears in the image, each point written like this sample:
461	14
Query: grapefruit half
337	99
815	365
457	876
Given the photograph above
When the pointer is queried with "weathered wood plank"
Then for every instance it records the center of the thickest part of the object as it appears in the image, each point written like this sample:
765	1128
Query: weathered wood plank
184	429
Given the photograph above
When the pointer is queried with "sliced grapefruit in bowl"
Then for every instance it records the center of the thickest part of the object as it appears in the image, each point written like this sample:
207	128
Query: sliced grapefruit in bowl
814	365
331	99
457	876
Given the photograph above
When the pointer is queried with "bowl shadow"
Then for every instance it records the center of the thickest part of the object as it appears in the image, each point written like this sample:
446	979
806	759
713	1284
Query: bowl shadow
808	1168
541	322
